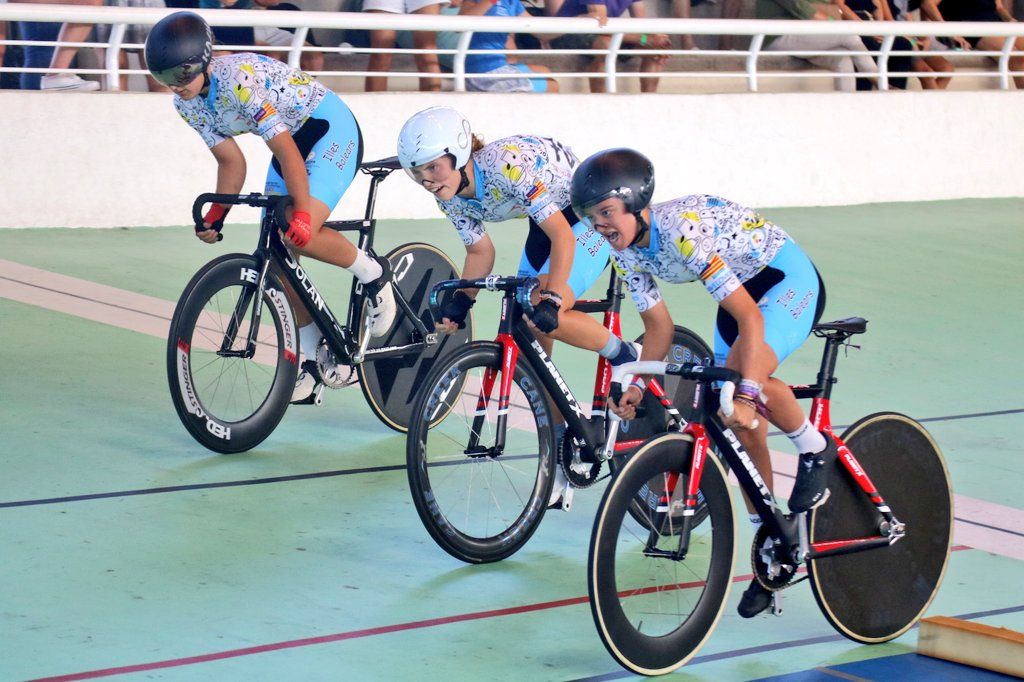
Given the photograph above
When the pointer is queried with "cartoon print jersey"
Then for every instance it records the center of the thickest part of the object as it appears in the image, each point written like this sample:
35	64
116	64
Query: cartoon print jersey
251	93
516	177
699	237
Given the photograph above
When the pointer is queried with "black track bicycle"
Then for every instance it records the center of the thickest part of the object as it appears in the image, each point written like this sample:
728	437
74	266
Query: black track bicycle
481	477
875	552
233	347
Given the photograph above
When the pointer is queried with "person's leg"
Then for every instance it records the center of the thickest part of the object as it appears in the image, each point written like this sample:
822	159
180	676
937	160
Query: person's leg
681	10
427	40
596	64
63	55
650	65
36	56
731	10
995	44
379	61
938	64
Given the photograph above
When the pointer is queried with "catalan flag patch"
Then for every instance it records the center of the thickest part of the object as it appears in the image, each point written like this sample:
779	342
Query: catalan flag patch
715	265
266	109
536	191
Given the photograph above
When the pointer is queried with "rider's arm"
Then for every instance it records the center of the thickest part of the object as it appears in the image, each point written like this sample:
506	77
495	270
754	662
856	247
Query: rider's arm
293	169
563	246
658	331
479	261
230	166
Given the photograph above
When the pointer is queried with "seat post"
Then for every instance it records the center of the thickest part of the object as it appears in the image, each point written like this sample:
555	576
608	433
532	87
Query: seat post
828	363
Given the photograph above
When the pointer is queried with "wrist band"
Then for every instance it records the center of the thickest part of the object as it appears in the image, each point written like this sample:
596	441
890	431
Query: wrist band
639	383
643	38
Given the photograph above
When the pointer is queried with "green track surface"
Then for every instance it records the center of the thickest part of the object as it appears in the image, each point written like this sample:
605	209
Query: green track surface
126	580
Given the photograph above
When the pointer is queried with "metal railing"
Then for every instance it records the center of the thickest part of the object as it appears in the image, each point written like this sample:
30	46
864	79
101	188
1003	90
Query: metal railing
119	18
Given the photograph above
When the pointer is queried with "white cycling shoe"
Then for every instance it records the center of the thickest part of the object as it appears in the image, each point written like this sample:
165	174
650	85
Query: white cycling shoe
381	310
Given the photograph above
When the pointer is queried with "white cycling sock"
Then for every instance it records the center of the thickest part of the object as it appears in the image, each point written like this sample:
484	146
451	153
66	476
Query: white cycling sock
365	269
807	438
309	339
755	521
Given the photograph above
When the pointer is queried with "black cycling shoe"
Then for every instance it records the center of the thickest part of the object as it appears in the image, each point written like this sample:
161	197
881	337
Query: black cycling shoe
811	488
755	599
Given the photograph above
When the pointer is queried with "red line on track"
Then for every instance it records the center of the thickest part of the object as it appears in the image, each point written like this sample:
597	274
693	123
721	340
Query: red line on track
337	637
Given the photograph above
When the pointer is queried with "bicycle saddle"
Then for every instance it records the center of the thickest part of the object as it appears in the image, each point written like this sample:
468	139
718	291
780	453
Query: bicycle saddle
849	325
390	163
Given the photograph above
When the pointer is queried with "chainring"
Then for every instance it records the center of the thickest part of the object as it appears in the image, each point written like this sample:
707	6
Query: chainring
333	375
579	473
774	575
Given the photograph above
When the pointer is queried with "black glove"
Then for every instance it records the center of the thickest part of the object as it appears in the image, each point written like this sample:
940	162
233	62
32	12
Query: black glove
457	308
545	316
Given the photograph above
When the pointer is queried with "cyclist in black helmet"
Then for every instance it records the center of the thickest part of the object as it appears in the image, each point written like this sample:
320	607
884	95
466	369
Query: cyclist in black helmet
314	137
769	296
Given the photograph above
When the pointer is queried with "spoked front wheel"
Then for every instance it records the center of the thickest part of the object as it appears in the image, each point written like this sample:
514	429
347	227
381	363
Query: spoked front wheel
390	384
877	595
230	384
479	499
654	607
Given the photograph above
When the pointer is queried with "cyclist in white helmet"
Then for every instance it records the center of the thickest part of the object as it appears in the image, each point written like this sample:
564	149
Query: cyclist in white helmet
522	176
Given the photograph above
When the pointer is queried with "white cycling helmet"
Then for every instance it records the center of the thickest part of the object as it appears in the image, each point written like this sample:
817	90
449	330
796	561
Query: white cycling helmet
433	133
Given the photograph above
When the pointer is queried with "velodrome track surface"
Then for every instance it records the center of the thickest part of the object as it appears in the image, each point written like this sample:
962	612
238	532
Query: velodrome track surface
129	550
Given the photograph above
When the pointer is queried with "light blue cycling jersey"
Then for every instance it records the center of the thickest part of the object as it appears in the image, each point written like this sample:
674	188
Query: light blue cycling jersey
251	93
524	176
725	245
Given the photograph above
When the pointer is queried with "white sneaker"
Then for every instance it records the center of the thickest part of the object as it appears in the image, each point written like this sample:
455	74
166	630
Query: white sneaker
381	311
67	81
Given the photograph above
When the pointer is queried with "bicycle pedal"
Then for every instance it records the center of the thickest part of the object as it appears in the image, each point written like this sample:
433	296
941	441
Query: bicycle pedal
776	603
318	395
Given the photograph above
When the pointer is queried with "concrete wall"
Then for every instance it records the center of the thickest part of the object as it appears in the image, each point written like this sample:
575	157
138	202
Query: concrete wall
89	160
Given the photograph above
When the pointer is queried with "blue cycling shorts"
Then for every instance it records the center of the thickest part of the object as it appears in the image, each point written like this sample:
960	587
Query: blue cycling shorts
332	145
588	260
791	297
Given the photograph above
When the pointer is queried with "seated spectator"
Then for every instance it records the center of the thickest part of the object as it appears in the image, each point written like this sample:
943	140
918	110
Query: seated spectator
498	61
977	10
681	9
818	11
134	34
894	10
602	10
871	10
261	35
384	39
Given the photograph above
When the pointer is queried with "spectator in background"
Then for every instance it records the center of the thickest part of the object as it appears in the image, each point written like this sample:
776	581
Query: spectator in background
602	10
498	61
817	11
898	10
871	10
681	9
262	35
64	54
385	39
134	34
977	10
45	56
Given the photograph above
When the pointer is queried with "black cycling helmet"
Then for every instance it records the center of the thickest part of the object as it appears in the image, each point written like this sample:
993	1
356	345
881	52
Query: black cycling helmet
179	48
622	173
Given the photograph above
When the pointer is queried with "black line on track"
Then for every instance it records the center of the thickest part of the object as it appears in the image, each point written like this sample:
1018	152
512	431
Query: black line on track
735	653
362	470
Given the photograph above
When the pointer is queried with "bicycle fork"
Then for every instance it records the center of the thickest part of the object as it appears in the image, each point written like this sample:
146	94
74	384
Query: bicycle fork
663	512
509	357
248	296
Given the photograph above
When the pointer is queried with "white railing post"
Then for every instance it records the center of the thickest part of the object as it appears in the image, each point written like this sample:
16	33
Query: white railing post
611	62
755	49
1004	63
459	67
295	50
112	58
883	62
